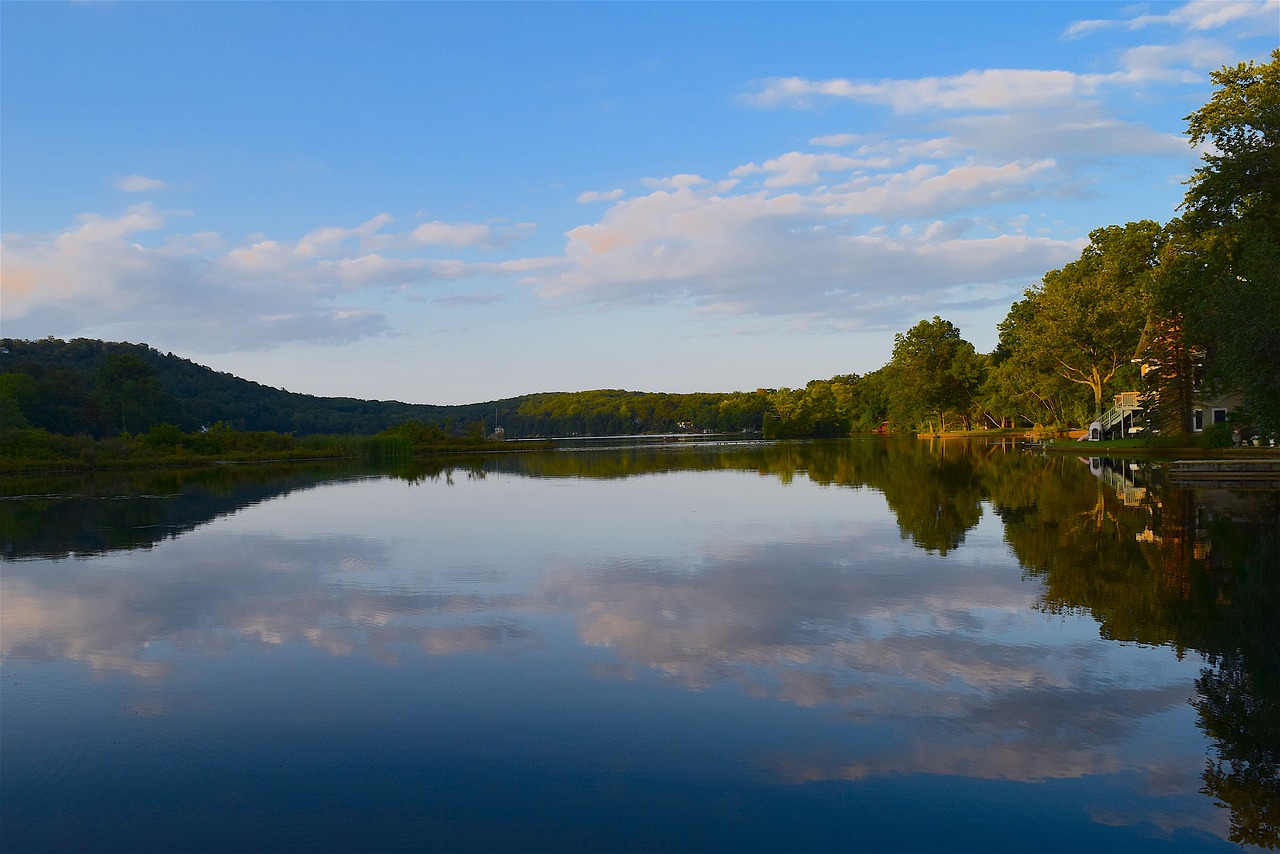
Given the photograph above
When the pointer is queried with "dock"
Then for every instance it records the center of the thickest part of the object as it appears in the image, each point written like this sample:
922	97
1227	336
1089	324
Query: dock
1226	474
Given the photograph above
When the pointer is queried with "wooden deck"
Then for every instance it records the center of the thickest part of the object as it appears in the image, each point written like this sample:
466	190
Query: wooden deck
1226	474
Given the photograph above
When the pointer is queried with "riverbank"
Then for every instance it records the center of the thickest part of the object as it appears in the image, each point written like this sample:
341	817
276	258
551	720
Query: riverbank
974	434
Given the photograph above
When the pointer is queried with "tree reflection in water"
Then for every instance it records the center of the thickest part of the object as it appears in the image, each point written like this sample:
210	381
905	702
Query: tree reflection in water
1150	562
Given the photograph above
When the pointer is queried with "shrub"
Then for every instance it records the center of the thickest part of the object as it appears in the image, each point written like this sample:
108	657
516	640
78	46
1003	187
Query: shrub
163	436
1216	435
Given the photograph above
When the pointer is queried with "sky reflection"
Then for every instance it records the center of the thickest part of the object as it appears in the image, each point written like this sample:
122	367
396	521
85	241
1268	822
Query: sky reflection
832	649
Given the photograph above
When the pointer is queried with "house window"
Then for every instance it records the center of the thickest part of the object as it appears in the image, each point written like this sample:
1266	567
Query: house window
1219	416
1197	420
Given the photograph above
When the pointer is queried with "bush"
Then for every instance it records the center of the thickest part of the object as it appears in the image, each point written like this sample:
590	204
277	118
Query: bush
1216	435
163	436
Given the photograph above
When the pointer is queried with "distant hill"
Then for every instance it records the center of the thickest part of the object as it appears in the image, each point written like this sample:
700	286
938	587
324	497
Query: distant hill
101	388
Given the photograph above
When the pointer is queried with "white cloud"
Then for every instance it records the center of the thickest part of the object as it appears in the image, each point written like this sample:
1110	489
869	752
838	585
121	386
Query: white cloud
600	196
96	278
1177	63
793	254
886	228
1199	15
1082	133
868	229
140	184
987	89
796	167
675	182
837	140
325	240
457	234
1013	90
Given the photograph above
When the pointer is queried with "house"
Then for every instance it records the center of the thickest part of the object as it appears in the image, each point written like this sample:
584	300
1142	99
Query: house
1177	396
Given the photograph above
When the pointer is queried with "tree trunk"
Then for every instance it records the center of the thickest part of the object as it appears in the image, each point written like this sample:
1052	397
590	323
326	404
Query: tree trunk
1096	385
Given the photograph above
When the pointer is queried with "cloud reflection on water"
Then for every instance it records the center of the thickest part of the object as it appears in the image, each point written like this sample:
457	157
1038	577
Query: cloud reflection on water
956	658
909	662
204	594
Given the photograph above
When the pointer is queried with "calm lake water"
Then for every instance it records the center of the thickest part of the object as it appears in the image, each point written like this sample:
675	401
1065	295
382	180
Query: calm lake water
856	645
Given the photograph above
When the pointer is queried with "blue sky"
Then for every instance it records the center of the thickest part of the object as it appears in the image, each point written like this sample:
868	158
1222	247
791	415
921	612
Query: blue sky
451	203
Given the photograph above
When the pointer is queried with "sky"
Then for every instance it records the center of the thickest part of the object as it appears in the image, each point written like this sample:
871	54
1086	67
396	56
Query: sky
459	202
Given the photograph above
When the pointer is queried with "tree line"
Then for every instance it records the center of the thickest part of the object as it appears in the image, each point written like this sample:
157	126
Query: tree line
1196	300
1173	310
106	389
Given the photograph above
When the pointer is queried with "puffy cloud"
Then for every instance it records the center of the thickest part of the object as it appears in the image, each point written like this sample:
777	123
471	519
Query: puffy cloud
988	89
99	278
456	234
882	228
1069	134
600	196
1008	89
675	182
78	263
1177	63
328	239
837	140
797	167
140	184
810	254
867	230
1198	15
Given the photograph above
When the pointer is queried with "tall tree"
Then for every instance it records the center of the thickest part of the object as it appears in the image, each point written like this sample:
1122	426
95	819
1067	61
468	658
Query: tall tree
1024	382
1087	318
1223	270
128	391
935	372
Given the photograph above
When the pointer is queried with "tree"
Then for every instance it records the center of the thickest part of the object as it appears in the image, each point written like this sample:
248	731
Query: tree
127	390
1223	269
1087	318
17	391
871	405
935	372
1024	382
1240	178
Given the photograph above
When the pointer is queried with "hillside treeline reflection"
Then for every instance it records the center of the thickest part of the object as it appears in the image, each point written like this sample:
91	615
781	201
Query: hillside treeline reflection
1194	570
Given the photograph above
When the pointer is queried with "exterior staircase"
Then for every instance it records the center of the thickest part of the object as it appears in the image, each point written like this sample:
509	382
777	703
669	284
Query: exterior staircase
1118	421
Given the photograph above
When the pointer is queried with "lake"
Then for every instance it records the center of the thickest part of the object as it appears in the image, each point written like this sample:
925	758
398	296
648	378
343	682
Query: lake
873	644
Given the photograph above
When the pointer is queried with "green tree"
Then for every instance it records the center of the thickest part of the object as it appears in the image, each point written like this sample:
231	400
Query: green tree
17	392
1223	273
935	372
1086	319
127	390
1023	382
871	404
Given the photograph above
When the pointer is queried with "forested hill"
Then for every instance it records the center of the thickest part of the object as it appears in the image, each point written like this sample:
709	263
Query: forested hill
100	388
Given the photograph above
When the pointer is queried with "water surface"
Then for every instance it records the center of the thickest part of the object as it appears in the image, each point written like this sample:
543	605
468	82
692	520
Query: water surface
870	645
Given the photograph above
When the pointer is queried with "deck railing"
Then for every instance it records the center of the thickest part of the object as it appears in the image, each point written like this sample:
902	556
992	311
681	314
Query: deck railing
1130	399
1127	402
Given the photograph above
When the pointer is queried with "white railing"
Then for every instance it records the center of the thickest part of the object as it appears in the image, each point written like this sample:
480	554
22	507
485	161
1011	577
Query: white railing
1127	403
